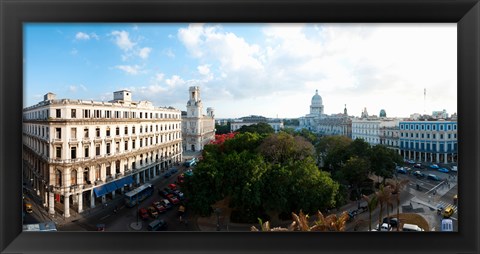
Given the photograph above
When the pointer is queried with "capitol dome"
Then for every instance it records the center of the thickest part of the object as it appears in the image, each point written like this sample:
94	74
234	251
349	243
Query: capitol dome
316	100
383	113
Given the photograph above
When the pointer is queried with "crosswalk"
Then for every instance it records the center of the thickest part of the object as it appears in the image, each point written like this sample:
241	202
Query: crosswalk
445	204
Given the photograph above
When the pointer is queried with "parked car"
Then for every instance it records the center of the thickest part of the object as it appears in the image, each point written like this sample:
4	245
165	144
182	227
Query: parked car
173	170
418	165
172	186
455	168
418	174
411	228
434	166
167	175
168	190
448	212
166	203
152	212
157	225
401	170
433	177
411	161
28	207
160	208
173	199
393	221
163	193
444	170
143	213
178	193
384	227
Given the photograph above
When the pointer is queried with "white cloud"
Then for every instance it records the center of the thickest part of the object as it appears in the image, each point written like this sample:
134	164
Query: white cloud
74	51
203	69
144	52
122	40
130	69
169	52
175	81
82	36
159	77
94	36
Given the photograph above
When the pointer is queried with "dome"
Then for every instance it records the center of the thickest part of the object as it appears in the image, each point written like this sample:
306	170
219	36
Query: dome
383	113
316	100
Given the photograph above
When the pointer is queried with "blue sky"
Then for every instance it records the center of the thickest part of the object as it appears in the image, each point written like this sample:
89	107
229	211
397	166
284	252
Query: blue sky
248	69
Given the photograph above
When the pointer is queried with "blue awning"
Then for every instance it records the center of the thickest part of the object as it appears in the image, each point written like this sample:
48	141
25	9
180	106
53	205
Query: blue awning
111	187
123	181
100	191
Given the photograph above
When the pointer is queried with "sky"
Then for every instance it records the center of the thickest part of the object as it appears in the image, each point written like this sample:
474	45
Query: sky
271	70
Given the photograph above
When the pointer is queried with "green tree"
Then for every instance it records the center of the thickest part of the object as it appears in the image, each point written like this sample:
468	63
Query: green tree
222	129
397	186
356	171
260	128
384	197
372	203
383	161
282	147
332	151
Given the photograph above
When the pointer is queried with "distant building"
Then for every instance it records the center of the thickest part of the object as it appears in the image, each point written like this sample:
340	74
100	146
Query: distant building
429	141
80	153
197	129
277	124
320	123
374	129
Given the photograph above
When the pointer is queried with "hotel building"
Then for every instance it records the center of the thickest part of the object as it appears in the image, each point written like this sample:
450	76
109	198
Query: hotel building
429	141
80	153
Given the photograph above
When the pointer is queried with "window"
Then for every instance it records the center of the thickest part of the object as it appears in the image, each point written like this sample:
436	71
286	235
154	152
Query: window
151	128
108	148
85	133
58	152
151	115
434	127
73	152
108	113
117	131
97	113
97	150
141	129
86	113
428	127
416	135
423	135
133	143
141	114
428	135
125	114
141	142
73	133
441	136
108	131
74	113
434	136
126	130
58	133
73	177
58	113
449	136
97	132
126	146
133	130
117	147
86	155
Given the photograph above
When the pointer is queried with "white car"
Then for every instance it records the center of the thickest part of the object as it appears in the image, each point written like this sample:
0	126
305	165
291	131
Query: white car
454	169
384	227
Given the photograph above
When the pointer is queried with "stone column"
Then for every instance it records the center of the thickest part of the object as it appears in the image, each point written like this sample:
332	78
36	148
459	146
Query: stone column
66	205
51	203
138	178
80	202
445	158
92	199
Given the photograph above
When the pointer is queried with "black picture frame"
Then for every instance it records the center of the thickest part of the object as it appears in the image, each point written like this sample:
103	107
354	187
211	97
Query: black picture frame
13	13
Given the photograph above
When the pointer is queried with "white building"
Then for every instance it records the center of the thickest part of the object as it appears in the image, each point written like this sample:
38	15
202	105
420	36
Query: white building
197	129
376	130
79	152
316	121
276	124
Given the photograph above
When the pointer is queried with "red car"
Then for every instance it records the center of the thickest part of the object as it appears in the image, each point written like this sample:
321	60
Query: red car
174	200
143	213
172	186
160	208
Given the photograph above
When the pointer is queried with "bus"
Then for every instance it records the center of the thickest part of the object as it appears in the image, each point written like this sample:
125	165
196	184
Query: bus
43	226
138	194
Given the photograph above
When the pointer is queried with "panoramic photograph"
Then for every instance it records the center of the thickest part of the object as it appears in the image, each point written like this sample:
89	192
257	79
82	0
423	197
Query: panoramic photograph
237	127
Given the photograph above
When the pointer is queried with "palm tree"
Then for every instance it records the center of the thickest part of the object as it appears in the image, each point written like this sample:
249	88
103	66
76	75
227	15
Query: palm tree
301	223
384	197
397	187
372	203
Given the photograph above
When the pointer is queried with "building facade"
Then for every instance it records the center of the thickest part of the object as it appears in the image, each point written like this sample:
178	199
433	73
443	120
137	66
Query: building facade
80	153
236	124
318	122
375	130
429	141
197	129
